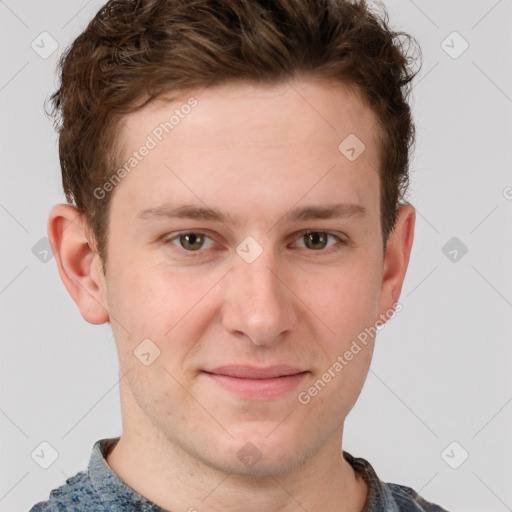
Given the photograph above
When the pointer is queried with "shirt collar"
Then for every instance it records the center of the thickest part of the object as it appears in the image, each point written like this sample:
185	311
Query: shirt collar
379	494
114	492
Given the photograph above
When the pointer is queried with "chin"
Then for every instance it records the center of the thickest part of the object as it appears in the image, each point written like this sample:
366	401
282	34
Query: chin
254	452
261	465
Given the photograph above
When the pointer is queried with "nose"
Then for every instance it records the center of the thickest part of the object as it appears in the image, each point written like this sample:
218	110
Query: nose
259	303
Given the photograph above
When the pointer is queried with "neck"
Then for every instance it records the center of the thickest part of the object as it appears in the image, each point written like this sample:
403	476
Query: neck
172	478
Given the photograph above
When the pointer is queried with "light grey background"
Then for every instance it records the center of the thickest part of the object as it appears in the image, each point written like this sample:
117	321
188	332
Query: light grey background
442	367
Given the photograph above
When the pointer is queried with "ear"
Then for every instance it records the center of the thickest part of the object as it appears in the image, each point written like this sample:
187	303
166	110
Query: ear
396	258
78	262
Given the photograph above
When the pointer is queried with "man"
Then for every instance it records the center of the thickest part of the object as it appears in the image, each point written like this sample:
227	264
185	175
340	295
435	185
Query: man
235	174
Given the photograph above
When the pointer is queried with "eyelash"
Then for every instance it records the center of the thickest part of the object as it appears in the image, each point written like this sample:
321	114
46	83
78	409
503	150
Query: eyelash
332	249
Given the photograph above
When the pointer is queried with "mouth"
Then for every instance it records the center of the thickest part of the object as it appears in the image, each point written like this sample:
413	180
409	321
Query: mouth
257	383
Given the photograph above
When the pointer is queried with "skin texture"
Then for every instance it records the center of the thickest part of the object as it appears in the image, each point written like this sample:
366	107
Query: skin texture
254	152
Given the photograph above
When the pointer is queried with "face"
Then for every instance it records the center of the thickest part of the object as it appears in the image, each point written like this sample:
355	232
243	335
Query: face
188	293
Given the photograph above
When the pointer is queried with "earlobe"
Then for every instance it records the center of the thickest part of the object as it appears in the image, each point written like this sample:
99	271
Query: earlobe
78	264
396	259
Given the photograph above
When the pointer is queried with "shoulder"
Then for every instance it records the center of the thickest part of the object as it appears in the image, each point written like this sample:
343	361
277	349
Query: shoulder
76	495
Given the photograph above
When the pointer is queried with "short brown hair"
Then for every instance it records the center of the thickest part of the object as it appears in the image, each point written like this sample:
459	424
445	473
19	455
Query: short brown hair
133	51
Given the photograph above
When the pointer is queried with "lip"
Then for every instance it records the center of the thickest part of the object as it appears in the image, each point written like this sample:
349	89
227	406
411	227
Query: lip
253	372
257	383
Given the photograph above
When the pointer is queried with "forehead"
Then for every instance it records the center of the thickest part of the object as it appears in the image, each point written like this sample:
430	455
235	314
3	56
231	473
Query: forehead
319	113
251	139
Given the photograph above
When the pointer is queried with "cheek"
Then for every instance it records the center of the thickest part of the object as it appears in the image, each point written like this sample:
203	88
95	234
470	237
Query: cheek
345	299
348	308
159	303
145	293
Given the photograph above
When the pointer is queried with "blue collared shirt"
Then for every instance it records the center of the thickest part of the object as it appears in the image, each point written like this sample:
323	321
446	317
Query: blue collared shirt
99	489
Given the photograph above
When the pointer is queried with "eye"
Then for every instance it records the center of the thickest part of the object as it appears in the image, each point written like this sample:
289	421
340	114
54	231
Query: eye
318	240
194	241
191	241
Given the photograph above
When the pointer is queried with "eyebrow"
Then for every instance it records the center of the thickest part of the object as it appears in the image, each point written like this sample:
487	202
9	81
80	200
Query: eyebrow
191	211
